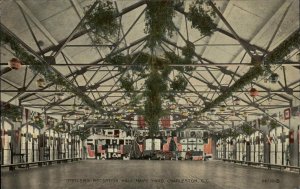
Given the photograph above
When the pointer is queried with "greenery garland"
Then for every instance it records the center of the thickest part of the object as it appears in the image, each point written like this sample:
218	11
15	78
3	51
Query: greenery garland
247	78
127	83
286	47
48	72
276	56
247	129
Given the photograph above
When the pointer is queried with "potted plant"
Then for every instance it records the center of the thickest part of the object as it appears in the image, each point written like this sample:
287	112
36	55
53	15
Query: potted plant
14	64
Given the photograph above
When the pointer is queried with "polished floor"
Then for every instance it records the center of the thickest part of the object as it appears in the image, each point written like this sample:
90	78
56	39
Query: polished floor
114	174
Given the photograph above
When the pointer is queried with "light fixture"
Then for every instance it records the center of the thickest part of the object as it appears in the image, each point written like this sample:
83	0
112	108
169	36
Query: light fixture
41	83
14	64
253	92
236	101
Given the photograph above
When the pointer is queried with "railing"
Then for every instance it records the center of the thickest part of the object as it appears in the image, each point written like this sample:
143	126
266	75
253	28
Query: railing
268	165
38	163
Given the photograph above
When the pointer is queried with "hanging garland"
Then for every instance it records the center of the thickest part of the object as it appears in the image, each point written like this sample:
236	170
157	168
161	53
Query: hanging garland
39	67
247	78
285	48
276	56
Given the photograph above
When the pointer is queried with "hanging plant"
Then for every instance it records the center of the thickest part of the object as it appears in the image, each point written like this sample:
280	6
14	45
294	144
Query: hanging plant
39	123
247	129
201	15
102	21
179	83
232	133
189	50
127	83
264	120
274	124
158	19
274	78
11	111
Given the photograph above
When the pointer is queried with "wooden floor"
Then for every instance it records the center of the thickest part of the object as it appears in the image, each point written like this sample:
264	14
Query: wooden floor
114	174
